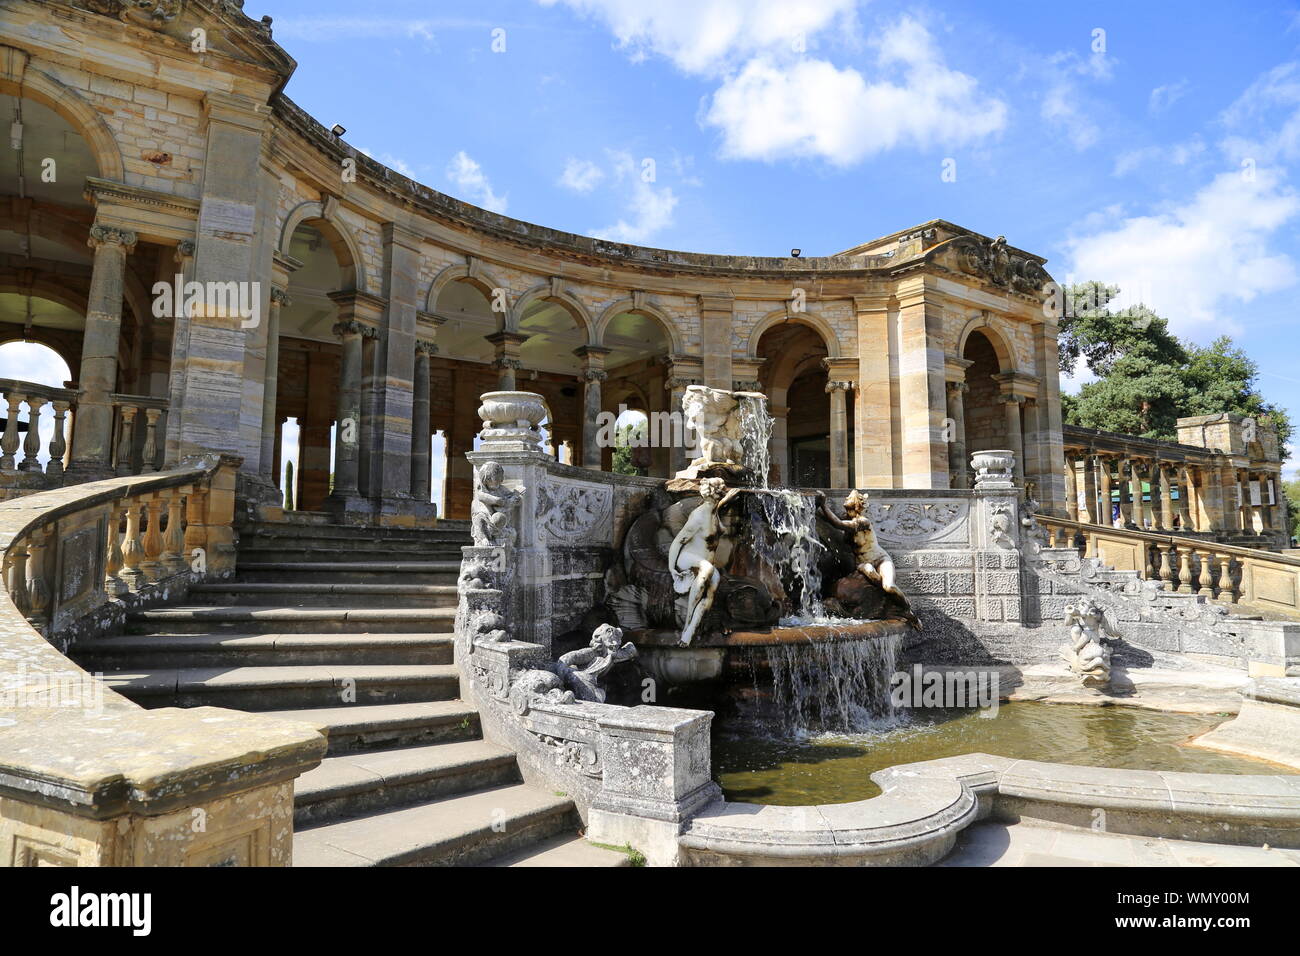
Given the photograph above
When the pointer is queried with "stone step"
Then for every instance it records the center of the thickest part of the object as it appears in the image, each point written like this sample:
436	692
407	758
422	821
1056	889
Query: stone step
351	785
466	829
356	727
350	572
323	594
311	554
286	687
257	619
159	651
563	850
325	529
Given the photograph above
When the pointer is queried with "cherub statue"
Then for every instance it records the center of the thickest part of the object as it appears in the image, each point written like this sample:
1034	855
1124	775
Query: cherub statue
691	555
874	562
1087	653
489	513
709	415
583	670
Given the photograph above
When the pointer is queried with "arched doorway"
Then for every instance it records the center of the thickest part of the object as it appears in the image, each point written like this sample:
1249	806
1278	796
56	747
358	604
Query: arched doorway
985	412
634	392
794	377
32	362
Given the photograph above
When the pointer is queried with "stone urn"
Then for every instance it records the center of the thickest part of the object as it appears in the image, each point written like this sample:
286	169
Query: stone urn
994	468
512	418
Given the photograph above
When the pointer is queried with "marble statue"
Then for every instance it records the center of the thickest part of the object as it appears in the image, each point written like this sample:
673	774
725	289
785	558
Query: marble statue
584	670
873	561
691	556
710	415
489	514
577	675
1087	652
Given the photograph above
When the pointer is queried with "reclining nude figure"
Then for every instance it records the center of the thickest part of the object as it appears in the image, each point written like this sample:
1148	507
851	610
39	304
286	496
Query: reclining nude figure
874	562
691	556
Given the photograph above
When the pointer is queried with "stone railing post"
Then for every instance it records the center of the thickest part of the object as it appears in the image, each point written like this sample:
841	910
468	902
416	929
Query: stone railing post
58	441
114	583
32	441
132	551
9	443
657	775
125	441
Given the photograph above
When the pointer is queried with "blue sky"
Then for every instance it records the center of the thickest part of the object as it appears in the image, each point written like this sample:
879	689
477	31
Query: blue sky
1151	145
1155	146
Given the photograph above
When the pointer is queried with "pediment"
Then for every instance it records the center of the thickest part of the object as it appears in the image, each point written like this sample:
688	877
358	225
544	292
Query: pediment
226	29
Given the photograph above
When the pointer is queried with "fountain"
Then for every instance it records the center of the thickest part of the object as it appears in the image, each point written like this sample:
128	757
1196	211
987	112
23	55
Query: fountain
724	576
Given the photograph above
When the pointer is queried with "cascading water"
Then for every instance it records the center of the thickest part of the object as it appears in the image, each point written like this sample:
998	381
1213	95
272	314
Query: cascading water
794	547
755	435
839	686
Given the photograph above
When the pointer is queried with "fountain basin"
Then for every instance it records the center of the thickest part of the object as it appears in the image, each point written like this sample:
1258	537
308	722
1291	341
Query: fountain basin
707	658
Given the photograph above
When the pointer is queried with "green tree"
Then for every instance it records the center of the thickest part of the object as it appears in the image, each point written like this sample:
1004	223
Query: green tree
1146	377
625	438
1291	496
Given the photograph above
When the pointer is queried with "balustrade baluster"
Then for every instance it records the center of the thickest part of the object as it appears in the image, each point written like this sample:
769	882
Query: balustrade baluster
149	454
58	442
132	551
9	443
1226	590
114	583
1166	569
1206	580
125	466
32	442
151	566
173	557
16	578
1184	569
38	589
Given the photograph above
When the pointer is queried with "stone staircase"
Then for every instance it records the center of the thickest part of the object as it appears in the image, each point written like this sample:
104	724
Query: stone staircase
351	630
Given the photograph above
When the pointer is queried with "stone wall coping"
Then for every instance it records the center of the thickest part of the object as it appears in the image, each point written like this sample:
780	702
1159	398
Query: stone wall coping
923	804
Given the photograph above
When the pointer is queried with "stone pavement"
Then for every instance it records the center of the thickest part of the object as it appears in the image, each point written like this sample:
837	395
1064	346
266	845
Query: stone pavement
1036	844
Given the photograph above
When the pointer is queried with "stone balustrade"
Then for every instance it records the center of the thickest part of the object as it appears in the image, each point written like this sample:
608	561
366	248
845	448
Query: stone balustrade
24	435
139	424
111	783
1221	572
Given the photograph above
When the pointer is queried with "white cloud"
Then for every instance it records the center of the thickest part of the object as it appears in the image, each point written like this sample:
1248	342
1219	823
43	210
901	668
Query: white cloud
771	109
1195	262
651	207
581	175
468	175
354	28
1163	97
1065	105
1179	154
711	36
777	100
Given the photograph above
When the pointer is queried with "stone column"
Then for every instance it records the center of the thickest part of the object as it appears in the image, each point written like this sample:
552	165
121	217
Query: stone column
958	467
873	424
1136	506
92	438
184	260
1091	495
779	449
682	371
1166	498
1015	436
347	438
921	375
593	377
1071	488
270	421
839	437
1105	505
1185	493
421	433
507	361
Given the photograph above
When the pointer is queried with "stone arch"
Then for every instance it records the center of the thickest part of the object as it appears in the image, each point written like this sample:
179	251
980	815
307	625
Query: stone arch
44	89
474	275
346	248
810	319
548	292
48	286
983	322
630	304
43	337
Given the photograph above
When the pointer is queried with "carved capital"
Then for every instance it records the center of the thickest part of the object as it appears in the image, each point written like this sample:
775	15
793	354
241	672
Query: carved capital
348	327
839	386
956	388
111	236
510	363
594	375
424	346
185	250
280	296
